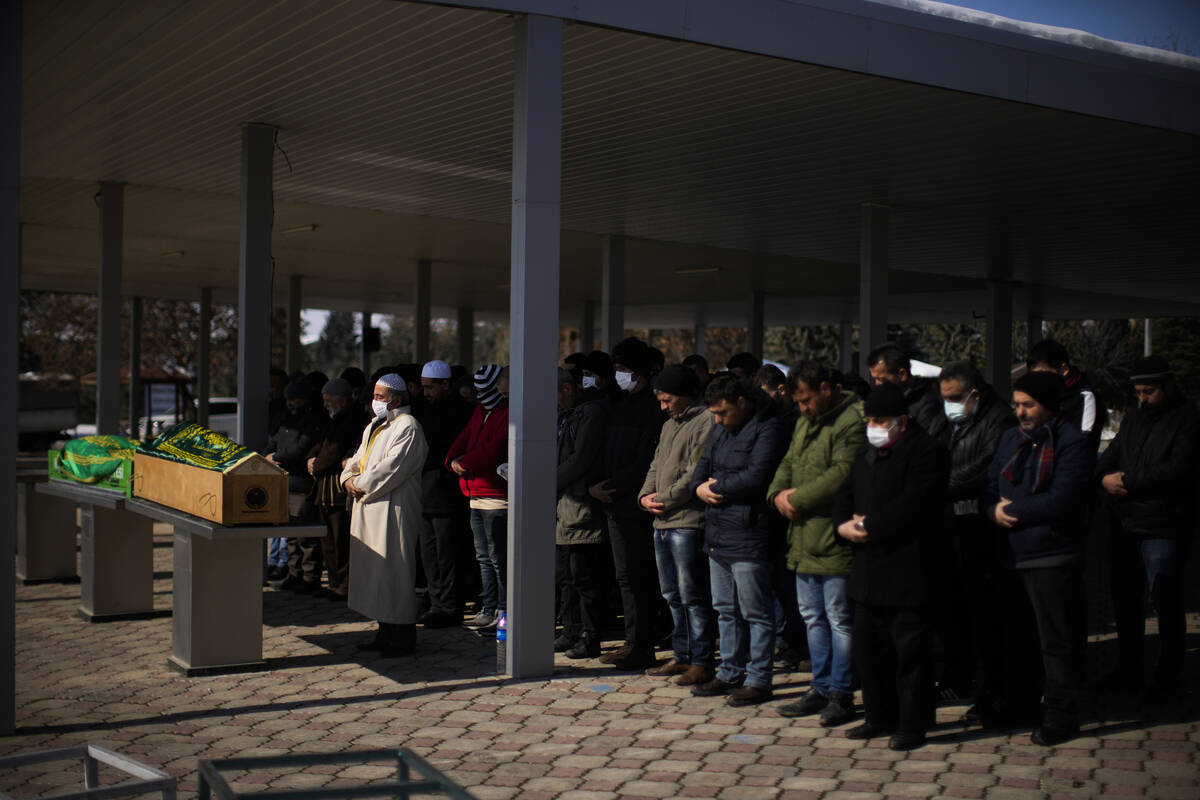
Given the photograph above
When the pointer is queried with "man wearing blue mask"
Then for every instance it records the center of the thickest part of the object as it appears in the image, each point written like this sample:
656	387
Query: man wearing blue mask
977	419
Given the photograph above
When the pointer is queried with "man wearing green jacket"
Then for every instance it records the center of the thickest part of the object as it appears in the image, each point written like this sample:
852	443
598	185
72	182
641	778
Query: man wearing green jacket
828	434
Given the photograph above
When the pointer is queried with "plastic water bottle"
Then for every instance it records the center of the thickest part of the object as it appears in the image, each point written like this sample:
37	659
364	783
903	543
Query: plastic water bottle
502	644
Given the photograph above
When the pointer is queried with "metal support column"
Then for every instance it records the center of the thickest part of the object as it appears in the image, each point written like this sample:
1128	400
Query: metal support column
421	311
295	352
700	334
755	332
254	285
135	367
587	327
10	288
846	347
1033	328
536	213
873	281
466	338
203	368
108	339
998	370
1148	339
364	352
612	292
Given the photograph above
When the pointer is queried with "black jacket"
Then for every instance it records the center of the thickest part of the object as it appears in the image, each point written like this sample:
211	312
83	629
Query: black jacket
442	422
900	491
580	444
292	443
972	446
743	462
1053	523
341	440
924	400
1159	452
634	422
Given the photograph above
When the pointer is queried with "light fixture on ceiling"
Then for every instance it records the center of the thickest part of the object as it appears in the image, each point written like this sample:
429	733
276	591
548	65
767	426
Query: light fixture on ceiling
298	229
702	270
173	254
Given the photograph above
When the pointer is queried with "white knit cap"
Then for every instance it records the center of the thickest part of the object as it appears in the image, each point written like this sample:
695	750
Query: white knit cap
437	369
393	382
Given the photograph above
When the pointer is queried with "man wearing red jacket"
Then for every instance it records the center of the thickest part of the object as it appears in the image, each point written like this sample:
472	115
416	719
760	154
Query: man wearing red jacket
474	457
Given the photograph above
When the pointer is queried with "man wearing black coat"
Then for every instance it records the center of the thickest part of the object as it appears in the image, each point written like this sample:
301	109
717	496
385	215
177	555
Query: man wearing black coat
443	416
1149	477
966	613
889	364
635	421
890	509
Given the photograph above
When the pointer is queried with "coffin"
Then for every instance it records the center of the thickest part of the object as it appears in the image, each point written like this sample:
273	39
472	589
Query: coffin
238	487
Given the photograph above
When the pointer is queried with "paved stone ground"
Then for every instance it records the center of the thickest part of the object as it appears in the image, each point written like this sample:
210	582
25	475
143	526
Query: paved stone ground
589	732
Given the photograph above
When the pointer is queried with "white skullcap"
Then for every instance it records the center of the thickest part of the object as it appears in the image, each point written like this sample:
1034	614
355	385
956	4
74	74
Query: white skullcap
437	369
393	382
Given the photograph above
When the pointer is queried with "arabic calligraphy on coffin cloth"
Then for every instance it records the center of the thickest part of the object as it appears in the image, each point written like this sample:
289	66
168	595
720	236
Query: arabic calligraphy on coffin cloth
189	443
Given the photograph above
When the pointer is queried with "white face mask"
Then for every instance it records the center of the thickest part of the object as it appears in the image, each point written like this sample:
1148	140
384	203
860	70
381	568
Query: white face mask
879	437
955	412
380	407
626	380
589	382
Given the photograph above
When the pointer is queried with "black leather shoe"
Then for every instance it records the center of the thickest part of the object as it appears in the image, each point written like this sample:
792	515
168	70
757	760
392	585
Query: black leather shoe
563	643
636	660
906	740
1050	735
810	702
439	619
585	647
868	730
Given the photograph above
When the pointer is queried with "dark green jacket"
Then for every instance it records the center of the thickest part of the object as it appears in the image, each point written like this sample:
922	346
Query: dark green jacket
816	463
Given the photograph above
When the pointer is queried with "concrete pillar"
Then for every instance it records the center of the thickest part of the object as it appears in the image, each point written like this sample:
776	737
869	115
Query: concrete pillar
203	368
587	327
10	287
295	352
700	334
466	338
421	312
1033	327
757	329
364	353
254	285
612	292
1148	343
846	348
135	366
108	339
873	281
536	212
998	369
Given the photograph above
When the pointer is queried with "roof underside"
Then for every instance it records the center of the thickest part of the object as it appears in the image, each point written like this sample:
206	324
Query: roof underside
395	140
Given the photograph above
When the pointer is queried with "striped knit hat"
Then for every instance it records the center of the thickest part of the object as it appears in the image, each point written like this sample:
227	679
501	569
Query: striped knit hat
485	386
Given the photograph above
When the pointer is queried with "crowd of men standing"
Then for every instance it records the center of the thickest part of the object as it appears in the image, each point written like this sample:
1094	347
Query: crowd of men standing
922	539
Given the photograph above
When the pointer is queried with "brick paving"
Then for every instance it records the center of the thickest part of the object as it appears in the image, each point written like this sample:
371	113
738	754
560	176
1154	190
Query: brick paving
589	733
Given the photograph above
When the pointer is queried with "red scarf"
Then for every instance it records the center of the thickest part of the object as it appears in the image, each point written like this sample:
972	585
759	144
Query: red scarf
1043	458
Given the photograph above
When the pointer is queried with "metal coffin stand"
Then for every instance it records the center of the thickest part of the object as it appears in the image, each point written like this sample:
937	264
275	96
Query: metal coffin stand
147	779
431	781
116	554
217	624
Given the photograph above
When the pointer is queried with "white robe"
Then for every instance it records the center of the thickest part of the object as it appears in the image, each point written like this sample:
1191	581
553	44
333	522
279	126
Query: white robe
385	522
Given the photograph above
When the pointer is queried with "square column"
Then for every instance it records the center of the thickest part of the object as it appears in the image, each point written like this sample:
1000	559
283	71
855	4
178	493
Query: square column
756	331
612	292
295	353
365	351
466	338
108	339
135	365
45	535
532	445
203	368
422	311
254	284
873	280
587	327
846	347
116	557
998	369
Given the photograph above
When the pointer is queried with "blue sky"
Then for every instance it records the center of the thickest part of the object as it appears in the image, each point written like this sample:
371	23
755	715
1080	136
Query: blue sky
1137	21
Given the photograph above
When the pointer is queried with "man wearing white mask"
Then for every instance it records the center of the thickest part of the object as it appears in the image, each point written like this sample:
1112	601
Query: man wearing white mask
890	510
384	480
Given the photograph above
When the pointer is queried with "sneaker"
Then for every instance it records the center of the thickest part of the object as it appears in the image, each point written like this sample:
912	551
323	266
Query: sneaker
483	621
749	696
584	647
809	703
839	710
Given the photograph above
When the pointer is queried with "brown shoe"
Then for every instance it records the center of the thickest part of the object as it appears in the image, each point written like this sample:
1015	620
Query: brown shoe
695	675
672	667
614	656
714	687
748	696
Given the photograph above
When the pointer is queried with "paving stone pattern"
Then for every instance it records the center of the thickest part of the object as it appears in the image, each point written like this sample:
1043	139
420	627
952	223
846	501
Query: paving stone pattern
589	733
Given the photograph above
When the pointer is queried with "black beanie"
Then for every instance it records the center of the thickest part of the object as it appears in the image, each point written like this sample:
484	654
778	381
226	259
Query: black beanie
677	380
1047	388
885	401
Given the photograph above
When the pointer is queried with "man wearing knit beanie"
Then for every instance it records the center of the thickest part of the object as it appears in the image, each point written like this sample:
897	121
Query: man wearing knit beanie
1037	495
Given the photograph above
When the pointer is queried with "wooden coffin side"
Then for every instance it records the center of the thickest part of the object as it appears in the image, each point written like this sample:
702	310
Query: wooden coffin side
190	489
255	491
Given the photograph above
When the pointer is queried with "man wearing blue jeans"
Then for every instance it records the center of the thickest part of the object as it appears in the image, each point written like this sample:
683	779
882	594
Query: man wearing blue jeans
827	435
731	480
679	525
